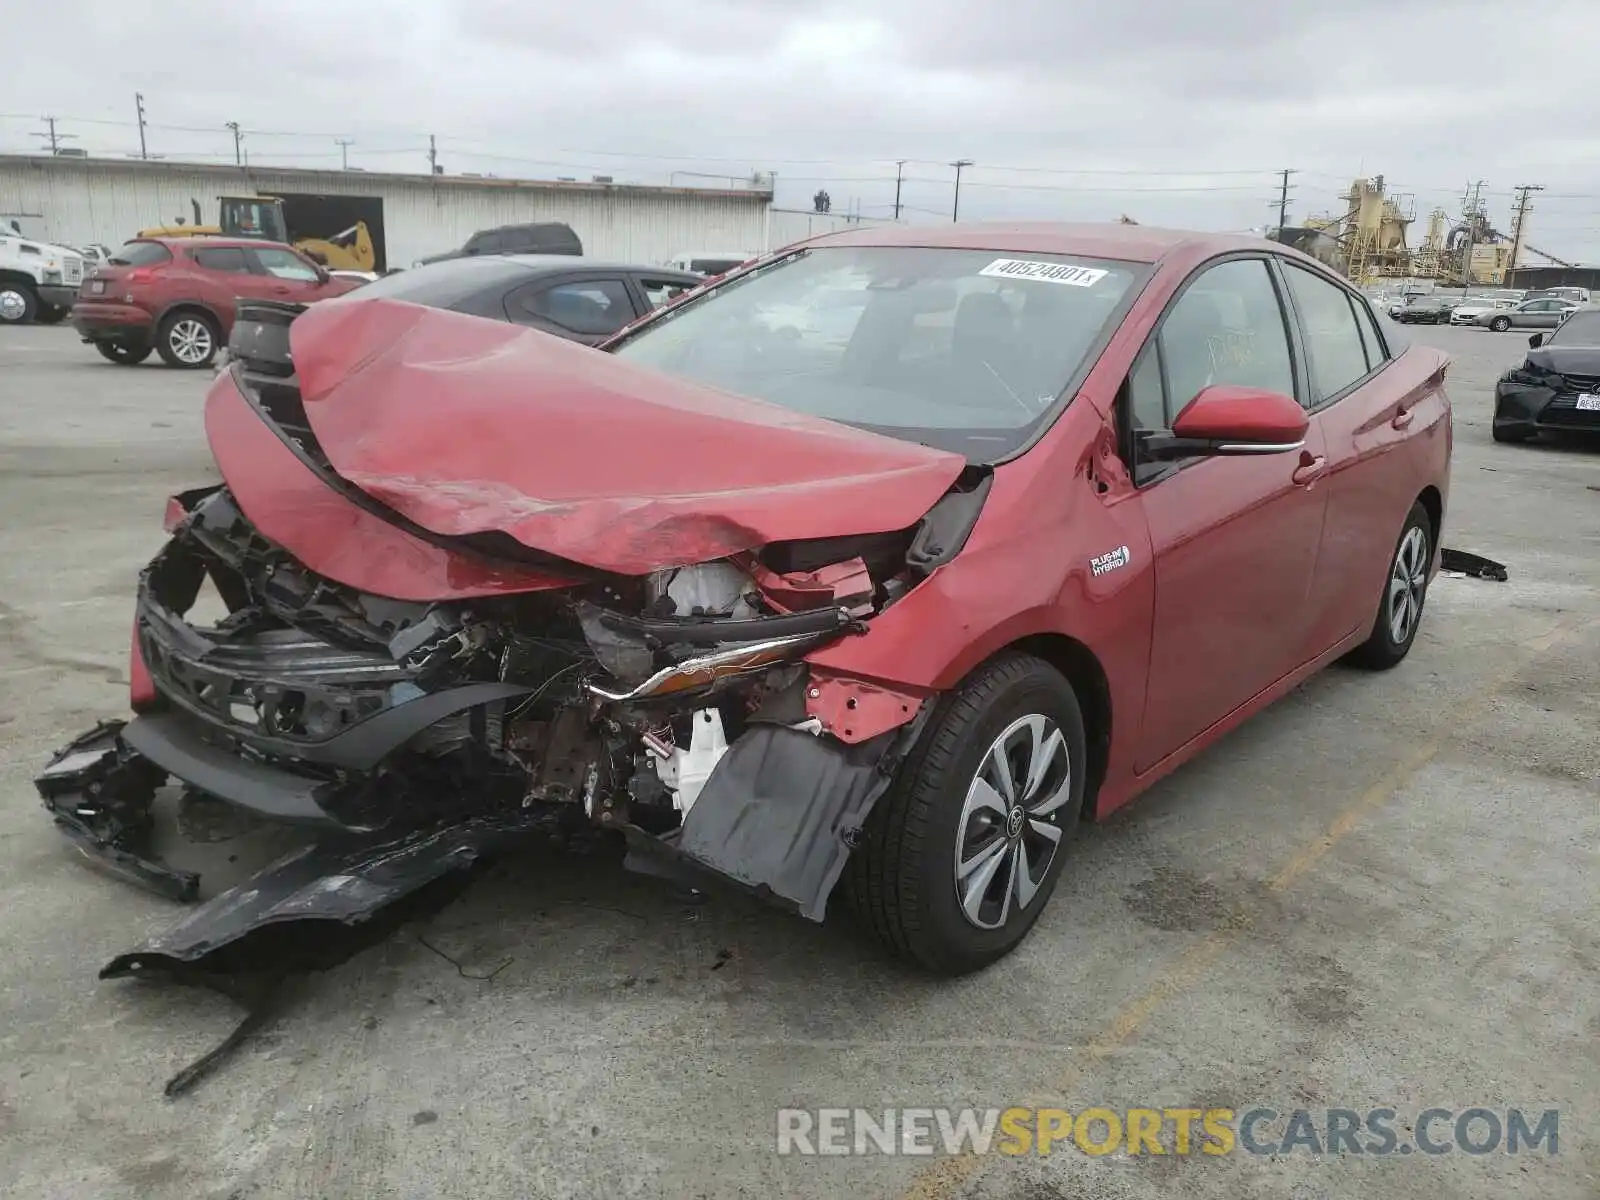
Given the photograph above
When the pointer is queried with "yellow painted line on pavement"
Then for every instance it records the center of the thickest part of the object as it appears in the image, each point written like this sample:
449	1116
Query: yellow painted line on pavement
941	1179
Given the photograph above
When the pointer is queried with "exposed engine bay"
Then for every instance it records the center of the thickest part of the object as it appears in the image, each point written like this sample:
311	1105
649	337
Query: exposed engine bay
609	703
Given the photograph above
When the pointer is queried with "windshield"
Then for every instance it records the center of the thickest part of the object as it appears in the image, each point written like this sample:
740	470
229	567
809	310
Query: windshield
965	350
1580	329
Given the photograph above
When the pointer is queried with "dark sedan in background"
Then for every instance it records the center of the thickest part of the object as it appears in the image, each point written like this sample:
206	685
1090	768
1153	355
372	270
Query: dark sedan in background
1426	310
1558	384
580	300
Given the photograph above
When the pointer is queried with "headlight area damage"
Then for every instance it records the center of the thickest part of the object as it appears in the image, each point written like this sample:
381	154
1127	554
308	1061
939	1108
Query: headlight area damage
541	697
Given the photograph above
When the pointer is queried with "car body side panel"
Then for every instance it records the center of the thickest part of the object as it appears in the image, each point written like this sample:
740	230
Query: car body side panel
467	426
1386	441
330	534
1236	543
1026	571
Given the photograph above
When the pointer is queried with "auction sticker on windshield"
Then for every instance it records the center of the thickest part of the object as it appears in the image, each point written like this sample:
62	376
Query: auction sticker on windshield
1049	272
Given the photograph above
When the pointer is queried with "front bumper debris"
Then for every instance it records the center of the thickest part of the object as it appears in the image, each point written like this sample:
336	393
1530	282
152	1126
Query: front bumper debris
99	791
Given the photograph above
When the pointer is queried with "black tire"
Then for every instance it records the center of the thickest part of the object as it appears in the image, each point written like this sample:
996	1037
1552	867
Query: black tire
123	355
51	314
1388	644
19	304
903	880
1500	324
188	339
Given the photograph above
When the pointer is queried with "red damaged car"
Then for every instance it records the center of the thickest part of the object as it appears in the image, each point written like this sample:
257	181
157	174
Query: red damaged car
875	567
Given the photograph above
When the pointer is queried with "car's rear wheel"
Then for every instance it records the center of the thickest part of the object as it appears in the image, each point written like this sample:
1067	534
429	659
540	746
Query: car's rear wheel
962	854
187	339
18	304
123	355
1405	588
1500	324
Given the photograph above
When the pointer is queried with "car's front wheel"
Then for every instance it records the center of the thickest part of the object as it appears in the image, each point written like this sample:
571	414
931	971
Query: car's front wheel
962	854
1405	588
1500	324
187	339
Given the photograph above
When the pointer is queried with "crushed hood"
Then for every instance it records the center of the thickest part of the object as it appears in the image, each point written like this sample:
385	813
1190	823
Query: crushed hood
464	425
1566	360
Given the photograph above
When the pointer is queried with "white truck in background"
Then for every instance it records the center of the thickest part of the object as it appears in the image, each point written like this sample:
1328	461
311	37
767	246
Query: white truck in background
38	281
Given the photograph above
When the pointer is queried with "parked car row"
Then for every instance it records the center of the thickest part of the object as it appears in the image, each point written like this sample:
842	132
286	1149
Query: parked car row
1499	312
177	297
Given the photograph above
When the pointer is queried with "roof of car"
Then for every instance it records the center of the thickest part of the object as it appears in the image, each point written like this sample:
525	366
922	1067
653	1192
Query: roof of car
203	242
1130	243
571	262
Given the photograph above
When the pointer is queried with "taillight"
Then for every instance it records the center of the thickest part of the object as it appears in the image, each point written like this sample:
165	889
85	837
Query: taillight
140	275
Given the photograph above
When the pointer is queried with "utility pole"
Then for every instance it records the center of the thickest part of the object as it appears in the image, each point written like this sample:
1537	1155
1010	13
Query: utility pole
1469	217
899	169
433	156
55	139
1283	200
1519	217
344	152
955	208
238	140
138	101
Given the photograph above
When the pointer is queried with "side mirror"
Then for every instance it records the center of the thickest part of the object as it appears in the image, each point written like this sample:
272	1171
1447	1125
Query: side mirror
1536	341
1225	419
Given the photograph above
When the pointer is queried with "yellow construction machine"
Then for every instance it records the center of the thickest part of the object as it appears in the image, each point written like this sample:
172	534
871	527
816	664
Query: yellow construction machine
262	217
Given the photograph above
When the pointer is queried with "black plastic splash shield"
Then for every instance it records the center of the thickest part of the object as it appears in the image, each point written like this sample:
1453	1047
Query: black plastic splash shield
317	905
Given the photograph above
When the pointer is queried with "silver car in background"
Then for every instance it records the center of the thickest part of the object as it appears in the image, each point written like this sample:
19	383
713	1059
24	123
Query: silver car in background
1543	313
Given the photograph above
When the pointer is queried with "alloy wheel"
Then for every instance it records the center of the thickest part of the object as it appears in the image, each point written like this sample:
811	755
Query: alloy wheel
190	340
1010	830
13	305
1407	580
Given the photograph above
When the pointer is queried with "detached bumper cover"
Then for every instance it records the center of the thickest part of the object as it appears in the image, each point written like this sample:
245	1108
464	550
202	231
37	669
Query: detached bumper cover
336	885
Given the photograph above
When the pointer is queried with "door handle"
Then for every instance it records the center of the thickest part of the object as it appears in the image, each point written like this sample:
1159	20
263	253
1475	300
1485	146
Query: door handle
1309	468
1401	419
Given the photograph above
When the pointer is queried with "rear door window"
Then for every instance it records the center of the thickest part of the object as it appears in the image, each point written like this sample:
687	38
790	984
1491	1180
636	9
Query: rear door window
589	307
1333	339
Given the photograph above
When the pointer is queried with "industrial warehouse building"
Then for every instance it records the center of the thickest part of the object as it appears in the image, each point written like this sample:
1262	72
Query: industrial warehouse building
77	201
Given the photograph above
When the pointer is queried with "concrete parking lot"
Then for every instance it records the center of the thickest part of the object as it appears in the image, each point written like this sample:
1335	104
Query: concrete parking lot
1380	893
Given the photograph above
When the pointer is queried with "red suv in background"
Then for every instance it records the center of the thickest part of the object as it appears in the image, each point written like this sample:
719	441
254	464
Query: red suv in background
176	295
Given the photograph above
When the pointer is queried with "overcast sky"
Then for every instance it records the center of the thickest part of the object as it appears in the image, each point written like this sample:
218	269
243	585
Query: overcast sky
1173	111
